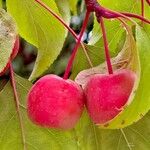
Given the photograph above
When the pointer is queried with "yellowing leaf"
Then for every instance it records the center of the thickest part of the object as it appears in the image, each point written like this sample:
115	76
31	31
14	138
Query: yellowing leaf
8	34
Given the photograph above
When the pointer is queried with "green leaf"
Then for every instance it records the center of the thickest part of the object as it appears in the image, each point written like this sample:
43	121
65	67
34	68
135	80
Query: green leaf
64	9
85	136
1	4
127	58
3	82
135	137
39	28
73	6
113	26
96	54
8	33
141	102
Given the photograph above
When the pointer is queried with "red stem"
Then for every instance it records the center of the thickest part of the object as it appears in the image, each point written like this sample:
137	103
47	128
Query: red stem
13	82
142	8
107	55
115	13
70	63
136	16
107	13
126	15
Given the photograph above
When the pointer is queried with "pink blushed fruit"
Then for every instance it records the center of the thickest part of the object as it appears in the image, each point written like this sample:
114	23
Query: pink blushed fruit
108	94
55	103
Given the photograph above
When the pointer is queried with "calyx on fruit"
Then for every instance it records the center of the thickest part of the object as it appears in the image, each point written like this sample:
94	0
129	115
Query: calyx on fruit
55	103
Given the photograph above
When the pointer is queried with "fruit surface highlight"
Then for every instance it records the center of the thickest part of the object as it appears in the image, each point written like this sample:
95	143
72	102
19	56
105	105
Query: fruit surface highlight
108	94
55	103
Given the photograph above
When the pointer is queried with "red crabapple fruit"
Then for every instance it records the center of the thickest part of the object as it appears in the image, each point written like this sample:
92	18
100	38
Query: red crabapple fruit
108	94
55	103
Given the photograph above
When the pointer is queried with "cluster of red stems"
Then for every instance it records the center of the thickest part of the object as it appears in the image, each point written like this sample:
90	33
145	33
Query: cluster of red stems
57	102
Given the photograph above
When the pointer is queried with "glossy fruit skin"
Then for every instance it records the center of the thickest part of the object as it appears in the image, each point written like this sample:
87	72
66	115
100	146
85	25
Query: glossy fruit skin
55	103
108	94
13	55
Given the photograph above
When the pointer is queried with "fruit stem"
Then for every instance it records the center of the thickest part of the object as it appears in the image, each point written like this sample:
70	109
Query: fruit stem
127	16
17	104
142	8
136	17
67	27
107	55
70	63
109	14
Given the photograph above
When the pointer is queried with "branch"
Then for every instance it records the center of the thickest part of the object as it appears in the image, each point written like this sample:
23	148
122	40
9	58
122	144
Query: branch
109	14
136	17
13	82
